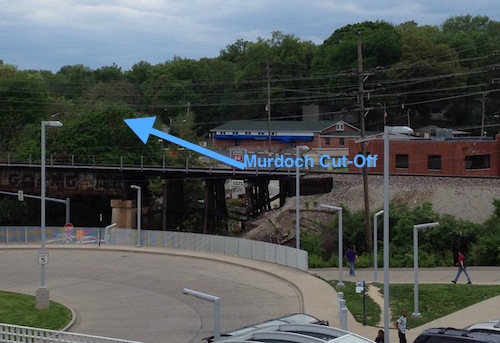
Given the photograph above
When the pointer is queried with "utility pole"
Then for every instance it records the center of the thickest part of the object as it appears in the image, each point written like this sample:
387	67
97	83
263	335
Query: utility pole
361	109
483	109
268	105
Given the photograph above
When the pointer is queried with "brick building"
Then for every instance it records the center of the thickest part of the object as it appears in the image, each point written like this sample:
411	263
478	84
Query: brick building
471	156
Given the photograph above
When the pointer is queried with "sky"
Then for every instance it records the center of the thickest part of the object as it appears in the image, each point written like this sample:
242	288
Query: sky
50	34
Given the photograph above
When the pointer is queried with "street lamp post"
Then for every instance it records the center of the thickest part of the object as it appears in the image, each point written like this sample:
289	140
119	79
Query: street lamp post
375	246
340	239
386	233
298	148
387	131
42	294
139	206
211	298
416	313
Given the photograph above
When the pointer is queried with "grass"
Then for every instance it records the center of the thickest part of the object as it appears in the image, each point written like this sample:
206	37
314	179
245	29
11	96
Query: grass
435	301
19	309
354	302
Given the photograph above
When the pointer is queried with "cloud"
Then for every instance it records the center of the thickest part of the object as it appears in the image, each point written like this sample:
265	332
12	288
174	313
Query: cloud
48	34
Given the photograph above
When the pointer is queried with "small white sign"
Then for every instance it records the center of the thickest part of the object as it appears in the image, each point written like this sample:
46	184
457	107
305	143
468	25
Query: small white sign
237	183
20	195
43	257
360	287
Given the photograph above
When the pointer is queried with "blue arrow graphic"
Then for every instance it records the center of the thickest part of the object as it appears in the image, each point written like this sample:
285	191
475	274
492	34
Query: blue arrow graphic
143	127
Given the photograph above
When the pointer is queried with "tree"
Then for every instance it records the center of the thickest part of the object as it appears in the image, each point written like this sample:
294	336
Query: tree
98	133
486	251
475	39
427	69
338	53
23	96
284	60
71	81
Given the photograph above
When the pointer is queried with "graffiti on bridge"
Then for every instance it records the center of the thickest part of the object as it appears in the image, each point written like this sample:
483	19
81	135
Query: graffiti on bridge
58	182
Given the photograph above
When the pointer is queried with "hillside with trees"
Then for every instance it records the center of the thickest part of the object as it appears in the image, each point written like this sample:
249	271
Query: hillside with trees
413	70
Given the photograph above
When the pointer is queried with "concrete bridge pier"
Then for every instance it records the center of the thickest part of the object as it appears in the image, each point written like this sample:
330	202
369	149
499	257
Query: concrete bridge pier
124	213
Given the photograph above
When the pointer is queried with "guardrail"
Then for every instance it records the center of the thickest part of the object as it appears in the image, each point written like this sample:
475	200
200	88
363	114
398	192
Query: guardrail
232	246
25	334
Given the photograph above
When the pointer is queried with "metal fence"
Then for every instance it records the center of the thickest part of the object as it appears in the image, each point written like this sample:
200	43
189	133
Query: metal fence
232	246
24	334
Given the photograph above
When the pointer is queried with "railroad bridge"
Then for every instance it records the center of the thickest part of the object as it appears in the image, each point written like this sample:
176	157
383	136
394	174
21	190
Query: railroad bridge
115	181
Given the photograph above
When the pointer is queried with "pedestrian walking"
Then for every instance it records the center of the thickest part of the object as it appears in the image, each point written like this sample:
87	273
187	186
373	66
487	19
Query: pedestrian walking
462	267
380	337
352	257
402	327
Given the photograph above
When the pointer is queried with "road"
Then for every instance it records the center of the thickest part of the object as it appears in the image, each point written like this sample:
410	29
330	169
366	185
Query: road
138	296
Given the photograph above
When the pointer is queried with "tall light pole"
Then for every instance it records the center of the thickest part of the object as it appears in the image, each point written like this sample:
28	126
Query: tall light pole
139	206
387	131
42	293
416	313
298	148
340	239
375	247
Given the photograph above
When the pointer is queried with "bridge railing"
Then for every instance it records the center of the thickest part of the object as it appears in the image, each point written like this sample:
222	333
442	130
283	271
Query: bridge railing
232	246
181	158
25	334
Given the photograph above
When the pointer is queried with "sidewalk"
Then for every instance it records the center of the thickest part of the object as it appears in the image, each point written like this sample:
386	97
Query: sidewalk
482	311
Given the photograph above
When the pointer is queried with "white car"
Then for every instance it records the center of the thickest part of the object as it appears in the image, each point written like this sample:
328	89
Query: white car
297	333
488	327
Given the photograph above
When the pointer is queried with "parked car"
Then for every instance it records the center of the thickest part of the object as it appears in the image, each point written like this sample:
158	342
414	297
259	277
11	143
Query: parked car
297	328
451	335
490	326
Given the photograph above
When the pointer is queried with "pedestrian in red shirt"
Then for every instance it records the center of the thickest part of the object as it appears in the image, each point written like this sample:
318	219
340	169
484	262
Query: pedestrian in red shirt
462	267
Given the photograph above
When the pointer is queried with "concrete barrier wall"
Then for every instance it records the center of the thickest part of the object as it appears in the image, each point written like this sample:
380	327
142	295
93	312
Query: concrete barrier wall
257	250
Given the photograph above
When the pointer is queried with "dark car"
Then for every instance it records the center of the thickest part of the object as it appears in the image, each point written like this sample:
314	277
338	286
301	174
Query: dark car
451	335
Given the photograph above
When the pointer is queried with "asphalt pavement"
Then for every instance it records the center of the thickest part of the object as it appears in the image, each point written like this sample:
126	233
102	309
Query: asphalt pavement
136	293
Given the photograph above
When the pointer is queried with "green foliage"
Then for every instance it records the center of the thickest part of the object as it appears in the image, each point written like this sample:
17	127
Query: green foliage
24	96
496	204
14	212
486	251
316	261
311	242
99	133
381	46
437	246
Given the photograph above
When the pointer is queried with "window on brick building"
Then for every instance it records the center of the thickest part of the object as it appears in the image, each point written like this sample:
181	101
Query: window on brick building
327	140
340	127
237	142
434	162
341	142
402	161
477	162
